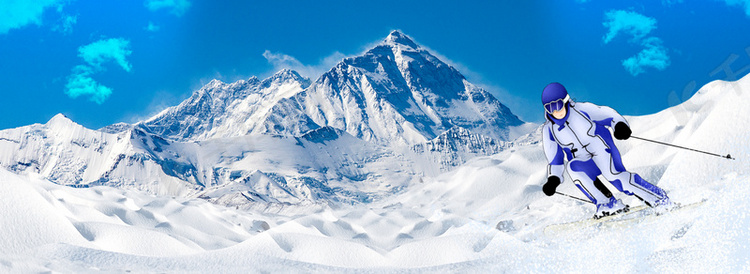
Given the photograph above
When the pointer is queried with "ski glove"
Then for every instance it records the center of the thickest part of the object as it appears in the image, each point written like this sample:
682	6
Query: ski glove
622	131
551	186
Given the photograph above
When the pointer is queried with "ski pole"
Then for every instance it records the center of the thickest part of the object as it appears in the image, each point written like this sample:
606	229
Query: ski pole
574	197
666	144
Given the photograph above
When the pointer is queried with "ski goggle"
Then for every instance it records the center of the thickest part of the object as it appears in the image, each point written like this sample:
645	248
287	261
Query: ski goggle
556	105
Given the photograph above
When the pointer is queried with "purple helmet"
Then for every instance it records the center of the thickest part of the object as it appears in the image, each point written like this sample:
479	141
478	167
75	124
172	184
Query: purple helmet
554	97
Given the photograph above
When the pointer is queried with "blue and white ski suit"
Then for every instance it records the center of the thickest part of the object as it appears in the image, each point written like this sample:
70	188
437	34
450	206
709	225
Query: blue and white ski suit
583	138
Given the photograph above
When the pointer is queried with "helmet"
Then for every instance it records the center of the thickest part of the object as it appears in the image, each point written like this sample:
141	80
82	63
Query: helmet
554	97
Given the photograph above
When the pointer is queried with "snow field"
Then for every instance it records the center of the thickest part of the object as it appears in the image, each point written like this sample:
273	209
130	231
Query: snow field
713	238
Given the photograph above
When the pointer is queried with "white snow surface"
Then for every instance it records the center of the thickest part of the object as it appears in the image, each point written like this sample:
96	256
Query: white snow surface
487	215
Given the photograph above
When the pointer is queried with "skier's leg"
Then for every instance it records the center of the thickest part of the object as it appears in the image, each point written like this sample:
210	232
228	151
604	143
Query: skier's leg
584	175
599	185
610	163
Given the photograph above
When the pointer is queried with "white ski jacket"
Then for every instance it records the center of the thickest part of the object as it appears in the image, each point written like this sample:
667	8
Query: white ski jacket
572	136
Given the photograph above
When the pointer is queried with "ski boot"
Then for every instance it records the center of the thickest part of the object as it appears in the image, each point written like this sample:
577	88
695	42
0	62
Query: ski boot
611	207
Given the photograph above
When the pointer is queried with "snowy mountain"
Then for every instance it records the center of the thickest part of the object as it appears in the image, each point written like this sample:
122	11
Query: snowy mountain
323	166
69	154
485	216
396	93
366	129
225	110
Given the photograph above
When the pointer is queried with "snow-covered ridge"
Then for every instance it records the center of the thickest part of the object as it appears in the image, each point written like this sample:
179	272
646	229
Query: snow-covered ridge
399	93
271	172
396	93
69	154
224	110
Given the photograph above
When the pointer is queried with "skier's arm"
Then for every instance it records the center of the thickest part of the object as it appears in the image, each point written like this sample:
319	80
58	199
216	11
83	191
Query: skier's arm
554	153
600	114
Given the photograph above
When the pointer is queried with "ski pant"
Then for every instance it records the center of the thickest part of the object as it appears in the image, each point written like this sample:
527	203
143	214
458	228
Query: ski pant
603	158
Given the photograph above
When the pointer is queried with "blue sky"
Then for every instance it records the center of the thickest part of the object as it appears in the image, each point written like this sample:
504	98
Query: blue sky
103	62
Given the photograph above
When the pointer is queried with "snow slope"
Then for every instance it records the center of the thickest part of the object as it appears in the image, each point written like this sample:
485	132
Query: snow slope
487	215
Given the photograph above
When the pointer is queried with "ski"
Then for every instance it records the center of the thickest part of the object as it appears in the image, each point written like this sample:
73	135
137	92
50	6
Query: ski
637	214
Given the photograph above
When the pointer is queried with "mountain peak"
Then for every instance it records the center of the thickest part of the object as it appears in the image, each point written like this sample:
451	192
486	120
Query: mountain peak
398	38
60	122
286	75
59	119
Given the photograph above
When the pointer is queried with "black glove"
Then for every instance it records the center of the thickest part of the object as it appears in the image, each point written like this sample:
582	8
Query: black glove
622	131
550	187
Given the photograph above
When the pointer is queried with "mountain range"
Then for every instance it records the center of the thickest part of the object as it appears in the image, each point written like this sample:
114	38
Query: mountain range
368	127
395	93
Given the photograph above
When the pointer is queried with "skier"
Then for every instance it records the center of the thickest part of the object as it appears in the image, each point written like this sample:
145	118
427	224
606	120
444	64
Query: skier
578	132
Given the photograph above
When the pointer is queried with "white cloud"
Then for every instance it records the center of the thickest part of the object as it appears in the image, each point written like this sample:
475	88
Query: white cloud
152	27
653	55
745	4
103	51
18	14
81	82
176	7
670	3
284	61
65	24
281	60
628	22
